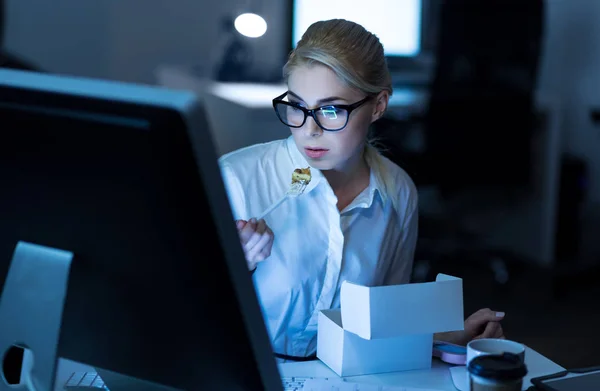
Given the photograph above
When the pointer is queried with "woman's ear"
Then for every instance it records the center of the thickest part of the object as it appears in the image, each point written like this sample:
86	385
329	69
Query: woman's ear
381	104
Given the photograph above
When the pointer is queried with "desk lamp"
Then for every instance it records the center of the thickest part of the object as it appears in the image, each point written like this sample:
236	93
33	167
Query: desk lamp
236	60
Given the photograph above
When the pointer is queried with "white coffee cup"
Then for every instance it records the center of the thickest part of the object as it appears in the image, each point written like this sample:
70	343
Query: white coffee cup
480	347
489	346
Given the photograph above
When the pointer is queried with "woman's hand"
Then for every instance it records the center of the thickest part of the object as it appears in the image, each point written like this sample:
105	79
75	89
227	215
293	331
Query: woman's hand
257	240
484	323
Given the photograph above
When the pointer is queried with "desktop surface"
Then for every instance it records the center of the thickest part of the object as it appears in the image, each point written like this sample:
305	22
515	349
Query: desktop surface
260	95
438	377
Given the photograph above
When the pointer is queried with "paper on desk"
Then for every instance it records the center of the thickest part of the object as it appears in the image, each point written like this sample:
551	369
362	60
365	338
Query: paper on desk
340	385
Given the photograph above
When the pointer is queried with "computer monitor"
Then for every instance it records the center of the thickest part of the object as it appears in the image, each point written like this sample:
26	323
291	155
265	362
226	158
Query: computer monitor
397	23
124	180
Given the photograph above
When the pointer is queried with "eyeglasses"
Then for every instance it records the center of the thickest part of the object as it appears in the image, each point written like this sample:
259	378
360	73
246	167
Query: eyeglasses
331	118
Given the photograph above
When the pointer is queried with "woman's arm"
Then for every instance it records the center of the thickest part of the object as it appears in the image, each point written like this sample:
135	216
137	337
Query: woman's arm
255	236
484	323
235	192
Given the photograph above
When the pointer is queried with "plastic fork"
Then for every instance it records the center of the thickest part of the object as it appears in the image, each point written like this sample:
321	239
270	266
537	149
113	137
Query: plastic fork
295	190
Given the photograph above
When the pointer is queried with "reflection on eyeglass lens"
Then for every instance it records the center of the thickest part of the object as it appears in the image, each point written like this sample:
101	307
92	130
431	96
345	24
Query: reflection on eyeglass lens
328	117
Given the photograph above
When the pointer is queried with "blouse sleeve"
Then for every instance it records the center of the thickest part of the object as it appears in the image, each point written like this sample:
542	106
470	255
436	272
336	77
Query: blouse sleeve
235	192
400	270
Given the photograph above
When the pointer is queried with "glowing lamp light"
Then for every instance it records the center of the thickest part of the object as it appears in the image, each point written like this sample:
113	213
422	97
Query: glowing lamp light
250	25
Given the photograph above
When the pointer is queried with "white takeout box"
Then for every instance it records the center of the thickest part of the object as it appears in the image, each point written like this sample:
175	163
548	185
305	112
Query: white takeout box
388	328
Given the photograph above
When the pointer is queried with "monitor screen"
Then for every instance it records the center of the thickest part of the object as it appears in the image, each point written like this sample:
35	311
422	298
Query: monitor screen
397	23
126	179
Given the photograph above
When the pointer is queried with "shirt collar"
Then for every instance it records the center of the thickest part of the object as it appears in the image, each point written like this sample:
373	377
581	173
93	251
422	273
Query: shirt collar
376	182
297	159
366	198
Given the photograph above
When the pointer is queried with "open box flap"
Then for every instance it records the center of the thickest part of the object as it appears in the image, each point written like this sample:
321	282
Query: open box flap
390	311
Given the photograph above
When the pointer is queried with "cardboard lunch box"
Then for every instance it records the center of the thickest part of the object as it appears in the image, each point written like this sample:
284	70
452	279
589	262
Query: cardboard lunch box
388	328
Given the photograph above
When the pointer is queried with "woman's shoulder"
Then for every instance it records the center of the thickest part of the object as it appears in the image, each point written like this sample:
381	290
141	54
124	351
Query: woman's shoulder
250	157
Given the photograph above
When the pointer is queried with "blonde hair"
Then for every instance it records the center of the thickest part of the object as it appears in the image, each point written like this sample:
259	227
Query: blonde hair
356	56
353	53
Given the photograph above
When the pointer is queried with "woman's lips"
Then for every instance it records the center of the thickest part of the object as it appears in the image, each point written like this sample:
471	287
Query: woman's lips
315	153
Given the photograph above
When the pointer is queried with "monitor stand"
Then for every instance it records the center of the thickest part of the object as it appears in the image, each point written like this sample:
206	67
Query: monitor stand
31	308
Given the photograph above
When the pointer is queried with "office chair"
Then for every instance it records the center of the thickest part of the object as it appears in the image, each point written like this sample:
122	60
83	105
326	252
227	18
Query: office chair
479	121
9	60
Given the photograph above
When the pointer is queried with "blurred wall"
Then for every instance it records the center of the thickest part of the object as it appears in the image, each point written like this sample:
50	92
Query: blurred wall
127	39
570	67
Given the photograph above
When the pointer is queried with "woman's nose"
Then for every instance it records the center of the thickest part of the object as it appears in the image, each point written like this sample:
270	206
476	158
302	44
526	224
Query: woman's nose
311	127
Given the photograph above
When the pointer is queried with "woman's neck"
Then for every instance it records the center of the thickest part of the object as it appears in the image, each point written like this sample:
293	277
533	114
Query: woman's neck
349	182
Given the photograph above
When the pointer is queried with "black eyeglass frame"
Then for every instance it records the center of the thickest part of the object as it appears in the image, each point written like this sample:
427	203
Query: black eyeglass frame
312	112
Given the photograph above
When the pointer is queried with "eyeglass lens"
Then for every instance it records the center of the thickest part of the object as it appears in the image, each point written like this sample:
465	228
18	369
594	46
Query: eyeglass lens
329	117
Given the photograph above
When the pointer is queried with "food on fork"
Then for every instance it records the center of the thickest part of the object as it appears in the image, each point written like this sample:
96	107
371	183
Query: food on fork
300	179
301	175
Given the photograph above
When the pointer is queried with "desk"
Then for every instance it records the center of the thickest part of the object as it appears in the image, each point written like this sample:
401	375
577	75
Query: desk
438	377
241	114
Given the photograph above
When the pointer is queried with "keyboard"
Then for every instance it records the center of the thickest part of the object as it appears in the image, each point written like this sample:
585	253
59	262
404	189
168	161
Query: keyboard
85	381
79	381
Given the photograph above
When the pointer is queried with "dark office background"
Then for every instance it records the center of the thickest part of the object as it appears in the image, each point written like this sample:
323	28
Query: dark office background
555	310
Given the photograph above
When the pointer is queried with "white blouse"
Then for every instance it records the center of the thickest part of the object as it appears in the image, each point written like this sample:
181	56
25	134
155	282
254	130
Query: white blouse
316	248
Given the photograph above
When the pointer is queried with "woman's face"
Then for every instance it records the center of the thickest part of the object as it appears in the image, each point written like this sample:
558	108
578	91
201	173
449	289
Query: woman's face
315	86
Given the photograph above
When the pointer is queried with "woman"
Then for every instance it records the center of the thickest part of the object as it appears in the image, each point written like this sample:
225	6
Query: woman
356	220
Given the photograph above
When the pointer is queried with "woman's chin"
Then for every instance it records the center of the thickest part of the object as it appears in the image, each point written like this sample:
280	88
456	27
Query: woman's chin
319	164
